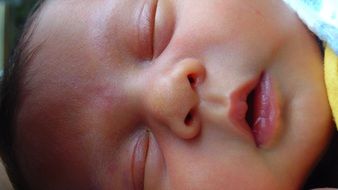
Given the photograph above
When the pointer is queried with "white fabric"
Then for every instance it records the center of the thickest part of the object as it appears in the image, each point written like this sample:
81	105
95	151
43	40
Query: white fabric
321	17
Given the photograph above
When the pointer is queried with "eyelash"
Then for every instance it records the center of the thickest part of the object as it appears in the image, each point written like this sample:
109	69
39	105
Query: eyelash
139	160
152	28
147	27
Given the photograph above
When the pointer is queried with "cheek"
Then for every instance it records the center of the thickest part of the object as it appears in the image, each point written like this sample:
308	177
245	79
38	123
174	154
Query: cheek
220	163
230	35
226	173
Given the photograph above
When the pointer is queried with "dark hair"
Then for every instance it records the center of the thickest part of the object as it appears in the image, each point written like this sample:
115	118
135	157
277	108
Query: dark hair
11	82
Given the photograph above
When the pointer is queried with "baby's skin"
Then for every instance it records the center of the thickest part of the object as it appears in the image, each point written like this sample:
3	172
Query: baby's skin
154	94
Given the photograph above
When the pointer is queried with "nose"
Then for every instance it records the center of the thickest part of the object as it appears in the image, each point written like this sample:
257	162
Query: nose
173	99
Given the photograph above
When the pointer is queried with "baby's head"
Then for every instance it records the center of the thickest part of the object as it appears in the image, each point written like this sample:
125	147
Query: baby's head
164	94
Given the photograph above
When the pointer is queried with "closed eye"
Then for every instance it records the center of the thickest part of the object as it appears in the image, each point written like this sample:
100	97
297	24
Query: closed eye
146	27
139	158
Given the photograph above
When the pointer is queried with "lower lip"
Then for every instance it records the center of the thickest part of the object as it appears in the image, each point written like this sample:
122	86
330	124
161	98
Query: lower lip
266	112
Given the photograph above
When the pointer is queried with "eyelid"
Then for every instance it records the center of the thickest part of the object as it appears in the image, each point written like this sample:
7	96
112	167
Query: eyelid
165	24
139	158
146	26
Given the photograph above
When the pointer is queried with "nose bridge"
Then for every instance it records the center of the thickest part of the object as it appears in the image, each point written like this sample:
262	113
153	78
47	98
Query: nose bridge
173	99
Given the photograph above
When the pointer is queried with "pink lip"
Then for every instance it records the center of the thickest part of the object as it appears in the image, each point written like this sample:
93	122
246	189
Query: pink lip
264	110
239	106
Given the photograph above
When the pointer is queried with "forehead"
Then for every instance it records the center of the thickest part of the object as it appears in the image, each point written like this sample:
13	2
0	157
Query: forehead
70	48
67	79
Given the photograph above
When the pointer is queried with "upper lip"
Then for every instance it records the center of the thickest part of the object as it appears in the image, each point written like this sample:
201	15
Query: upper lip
239	106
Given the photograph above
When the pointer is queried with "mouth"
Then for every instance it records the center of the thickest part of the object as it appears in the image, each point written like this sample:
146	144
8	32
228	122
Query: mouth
255	110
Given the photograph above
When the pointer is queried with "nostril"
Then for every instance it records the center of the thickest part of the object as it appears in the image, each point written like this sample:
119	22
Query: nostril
189	118
192	80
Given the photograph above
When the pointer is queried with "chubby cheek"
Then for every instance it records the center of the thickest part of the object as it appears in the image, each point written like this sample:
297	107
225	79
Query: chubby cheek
234	28
232	174
217	164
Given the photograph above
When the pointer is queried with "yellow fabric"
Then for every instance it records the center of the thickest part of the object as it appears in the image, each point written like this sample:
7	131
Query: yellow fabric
331	80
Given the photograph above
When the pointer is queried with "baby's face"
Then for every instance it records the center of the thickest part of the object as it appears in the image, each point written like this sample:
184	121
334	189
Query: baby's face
126	94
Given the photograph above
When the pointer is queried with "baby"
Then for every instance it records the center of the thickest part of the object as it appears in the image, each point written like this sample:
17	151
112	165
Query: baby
164	94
